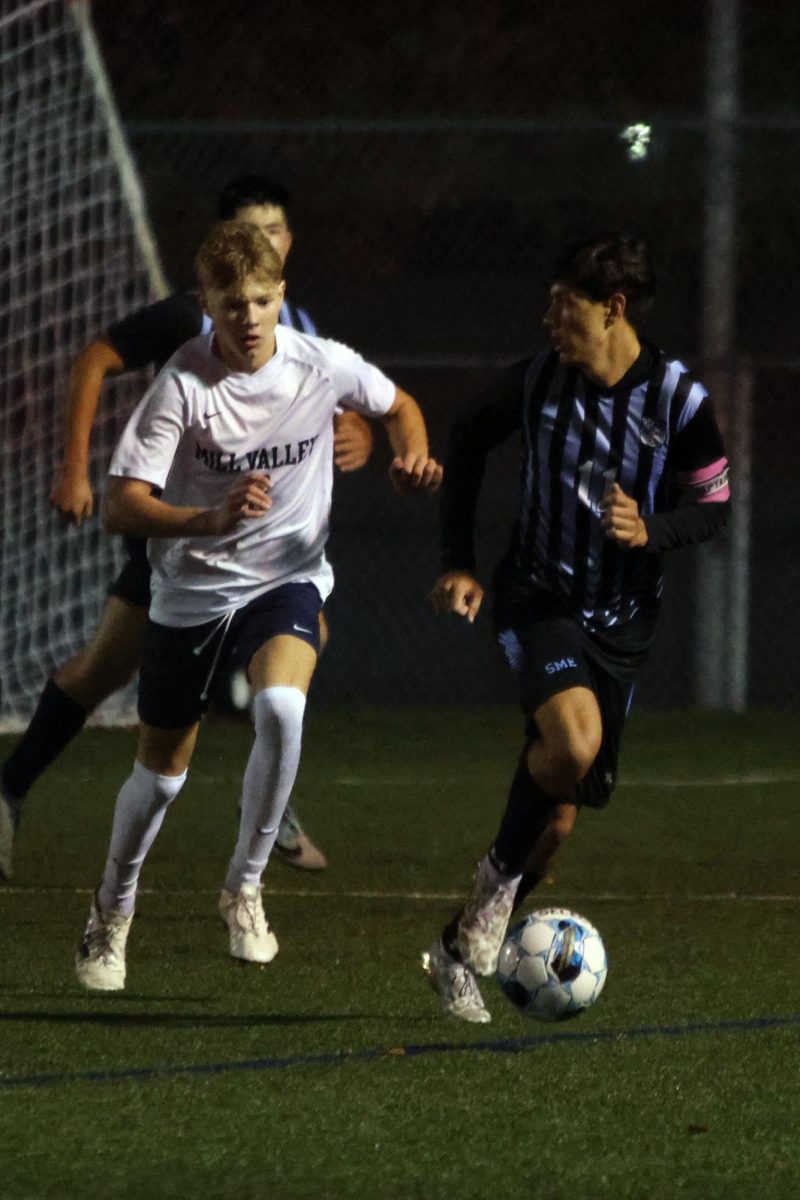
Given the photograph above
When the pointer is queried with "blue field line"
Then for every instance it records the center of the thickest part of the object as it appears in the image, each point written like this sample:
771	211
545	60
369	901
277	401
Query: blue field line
413	1050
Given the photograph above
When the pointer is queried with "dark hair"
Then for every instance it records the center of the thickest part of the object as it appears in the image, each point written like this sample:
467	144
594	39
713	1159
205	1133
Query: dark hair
608	263
252	189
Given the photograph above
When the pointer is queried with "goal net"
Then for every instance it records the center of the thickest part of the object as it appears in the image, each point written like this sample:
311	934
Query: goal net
76	253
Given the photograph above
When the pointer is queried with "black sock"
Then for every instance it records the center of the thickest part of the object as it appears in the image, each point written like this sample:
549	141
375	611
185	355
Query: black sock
450	937
56	721
528	811
529	881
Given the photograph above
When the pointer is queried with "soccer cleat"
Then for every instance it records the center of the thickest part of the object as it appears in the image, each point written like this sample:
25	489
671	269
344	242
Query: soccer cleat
484	920
455	984
8	827
252	940
294	847
100	958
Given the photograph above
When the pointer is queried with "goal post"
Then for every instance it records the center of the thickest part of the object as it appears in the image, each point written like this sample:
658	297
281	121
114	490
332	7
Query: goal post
77	252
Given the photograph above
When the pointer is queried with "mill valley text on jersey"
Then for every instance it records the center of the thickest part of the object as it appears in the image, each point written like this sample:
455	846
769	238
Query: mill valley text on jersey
202	422
268	458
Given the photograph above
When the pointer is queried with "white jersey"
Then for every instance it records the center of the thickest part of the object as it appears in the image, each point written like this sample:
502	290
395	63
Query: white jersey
201	422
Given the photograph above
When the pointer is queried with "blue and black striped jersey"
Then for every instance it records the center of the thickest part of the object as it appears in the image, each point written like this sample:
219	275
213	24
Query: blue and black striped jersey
654	434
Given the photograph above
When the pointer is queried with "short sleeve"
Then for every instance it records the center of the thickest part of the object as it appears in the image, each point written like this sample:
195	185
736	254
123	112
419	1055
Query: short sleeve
153	433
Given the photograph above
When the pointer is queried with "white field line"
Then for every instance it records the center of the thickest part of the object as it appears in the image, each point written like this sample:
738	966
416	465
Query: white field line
750	779
549	900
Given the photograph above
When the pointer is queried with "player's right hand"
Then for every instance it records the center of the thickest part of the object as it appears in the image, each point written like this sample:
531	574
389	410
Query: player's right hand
71	496
248	498
457	592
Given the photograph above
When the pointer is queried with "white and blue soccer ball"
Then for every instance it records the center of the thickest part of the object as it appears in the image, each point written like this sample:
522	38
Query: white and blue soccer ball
553	965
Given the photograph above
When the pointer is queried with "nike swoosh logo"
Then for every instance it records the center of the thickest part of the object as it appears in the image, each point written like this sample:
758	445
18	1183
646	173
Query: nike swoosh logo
300	629
289	851
208	416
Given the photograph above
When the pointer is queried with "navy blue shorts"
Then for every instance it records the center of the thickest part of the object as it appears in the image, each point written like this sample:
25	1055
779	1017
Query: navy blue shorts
133	582
179	663
550	652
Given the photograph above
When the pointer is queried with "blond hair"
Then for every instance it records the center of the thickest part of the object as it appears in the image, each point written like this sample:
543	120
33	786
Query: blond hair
234	252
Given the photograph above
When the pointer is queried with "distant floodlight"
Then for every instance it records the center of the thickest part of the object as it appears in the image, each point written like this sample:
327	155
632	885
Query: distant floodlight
638	139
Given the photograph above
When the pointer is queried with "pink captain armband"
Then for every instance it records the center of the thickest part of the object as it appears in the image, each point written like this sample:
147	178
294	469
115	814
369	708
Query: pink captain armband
709	484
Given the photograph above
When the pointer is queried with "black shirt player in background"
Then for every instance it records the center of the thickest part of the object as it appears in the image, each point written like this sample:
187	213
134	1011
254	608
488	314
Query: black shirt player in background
621	459
147	337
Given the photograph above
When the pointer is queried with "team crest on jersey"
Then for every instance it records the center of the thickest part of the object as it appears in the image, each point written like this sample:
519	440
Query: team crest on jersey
652	433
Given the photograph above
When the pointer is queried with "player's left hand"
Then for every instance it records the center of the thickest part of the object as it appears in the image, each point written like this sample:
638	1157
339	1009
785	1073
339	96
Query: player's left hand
415	472
352	441
621	520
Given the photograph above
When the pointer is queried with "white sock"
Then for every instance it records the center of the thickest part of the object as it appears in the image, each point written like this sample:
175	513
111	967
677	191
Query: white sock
139	812
268	781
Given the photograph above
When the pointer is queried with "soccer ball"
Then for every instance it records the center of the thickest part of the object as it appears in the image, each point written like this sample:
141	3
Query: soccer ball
552	965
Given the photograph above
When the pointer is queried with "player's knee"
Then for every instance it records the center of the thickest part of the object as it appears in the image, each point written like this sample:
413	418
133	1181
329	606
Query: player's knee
160	788
569	757
90	678
278	712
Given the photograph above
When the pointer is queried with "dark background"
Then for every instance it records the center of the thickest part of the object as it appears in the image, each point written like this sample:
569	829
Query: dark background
437	155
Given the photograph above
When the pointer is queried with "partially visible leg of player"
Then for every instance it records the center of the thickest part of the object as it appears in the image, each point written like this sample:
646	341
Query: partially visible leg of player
544	649
159	772
280	673
175	667
106	664
293	846
614	694
539	813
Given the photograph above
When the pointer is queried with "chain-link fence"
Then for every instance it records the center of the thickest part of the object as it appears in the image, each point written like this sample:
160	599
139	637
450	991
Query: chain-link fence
437	155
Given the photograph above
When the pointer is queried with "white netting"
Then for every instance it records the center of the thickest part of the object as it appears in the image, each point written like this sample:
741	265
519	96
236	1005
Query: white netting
75	254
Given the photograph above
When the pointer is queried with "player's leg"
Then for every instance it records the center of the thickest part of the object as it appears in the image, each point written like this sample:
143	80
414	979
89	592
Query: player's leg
106	664
540	810
159	772
613	694
293	845
175	666
281	672
231	691
278	637
545	652
110	660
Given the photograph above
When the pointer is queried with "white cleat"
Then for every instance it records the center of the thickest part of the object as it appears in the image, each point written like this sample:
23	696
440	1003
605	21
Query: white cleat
456	986
252	940
484	921
100	958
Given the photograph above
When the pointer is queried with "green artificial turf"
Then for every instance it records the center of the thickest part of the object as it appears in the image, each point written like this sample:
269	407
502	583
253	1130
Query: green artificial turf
331	1073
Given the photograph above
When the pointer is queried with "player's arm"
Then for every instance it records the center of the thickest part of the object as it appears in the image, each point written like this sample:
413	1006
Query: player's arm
473	436
352	441
700	468
71	494
147	336
130	508
412	468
